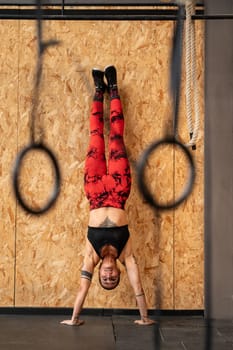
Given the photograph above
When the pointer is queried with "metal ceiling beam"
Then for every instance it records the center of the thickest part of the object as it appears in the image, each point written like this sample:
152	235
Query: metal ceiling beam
73	10
90	14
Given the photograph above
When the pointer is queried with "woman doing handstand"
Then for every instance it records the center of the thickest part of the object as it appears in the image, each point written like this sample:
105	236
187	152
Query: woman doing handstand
107	189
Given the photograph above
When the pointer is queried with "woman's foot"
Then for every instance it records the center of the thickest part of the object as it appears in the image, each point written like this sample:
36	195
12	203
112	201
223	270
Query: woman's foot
98	77
111	76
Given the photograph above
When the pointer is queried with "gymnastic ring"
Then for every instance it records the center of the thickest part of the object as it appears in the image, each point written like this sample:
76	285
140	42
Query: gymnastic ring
141	174
16	173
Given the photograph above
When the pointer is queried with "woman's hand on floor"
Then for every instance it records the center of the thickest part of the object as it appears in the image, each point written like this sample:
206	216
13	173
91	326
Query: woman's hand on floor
73	323
145	322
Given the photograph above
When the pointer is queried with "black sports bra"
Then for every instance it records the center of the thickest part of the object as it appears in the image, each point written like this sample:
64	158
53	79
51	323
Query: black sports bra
116	236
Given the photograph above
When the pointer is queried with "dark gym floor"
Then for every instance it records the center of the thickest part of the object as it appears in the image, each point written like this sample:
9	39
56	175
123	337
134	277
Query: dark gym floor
117	332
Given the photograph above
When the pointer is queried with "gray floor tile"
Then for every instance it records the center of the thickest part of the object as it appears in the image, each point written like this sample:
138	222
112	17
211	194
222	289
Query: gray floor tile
26	332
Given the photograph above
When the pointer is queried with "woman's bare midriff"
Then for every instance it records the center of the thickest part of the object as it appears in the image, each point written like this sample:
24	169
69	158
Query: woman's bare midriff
107	217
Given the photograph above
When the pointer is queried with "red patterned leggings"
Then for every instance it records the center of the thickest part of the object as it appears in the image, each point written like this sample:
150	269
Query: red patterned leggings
107	186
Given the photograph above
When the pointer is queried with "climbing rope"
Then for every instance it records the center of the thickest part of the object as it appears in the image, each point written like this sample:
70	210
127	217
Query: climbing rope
192	98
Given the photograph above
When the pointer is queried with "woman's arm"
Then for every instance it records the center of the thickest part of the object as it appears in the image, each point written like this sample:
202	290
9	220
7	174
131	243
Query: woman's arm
80	298
135	281
85	282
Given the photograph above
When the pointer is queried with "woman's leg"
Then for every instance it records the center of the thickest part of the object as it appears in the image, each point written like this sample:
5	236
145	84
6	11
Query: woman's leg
95	164
118	164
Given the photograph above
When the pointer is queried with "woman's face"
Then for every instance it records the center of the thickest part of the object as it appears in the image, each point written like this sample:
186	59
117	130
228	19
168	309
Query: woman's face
109	275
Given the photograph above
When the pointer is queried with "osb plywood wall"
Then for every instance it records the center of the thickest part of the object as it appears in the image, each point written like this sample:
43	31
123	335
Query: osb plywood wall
41	256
